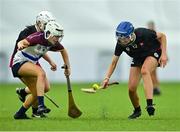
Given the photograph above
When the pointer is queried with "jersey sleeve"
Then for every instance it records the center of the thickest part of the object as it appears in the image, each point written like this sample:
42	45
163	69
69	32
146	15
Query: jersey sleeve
118	50
151	35
23	34
57	47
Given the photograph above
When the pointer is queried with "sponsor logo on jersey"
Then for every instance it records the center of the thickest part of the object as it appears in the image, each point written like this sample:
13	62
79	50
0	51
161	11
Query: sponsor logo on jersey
156	55
128	49
141	43
134	46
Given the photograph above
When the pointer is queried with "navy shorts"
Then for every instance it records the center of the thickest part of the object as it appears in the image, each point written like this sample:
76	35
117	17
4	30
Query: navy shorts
15	68
137	62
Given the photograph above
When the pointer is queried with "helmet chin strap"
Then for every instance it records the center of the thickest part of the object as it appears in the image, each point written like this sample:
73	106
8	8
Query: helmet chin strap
132	38
38	27
41	27
47	37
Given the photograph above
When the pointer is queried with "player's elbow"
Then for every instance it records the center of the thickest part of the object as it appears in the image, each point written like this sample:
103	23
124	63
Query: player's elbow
161	35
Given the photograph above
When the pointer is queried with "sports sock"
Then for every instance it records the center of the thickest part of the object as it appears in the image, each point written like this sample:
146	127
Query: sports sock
34	110
155	88
40	101
137	109
22	110
149	102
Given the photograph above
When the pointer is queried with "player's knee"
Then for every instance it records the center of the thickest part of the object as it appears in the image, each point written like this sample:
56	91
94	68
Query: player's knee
42	74
132	88
144	71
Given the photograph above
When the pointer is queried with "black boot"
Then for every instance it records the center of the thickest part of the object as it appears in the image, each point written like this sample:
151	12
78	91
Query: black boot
21	94
150	109
21	116
136	113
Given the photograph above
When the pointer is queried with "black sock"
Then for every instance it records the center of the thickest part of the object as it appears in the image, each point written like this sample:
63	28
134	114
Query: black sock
23	92
137	109
40	101
149	102
34	110
155	88
22	110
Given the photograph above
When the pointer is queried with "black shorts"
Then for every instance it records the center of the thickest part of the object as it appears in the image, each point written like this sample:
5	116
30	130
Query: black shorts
137	62
15	68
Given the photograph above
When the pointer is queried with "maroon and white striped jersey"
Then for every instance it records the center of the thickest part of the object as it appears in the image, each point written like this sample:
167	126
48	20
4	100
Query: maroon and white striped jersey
37	48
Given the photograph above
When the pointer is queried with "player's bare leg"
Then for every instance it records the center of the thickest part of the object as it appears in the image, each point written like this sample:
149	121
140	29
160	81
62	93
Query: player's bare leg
149	65
22	96
156	89
27	71
20	114
31	83
134	79
35	104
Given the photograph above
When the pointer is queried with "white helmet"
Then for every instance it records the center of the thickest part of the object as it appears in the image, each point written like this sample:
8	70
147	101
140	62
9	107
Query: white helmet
53	29
43	18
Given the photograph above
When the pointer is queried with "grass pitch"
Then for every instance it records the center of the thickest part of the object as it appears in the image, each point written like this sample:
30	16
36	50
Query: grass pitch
106	110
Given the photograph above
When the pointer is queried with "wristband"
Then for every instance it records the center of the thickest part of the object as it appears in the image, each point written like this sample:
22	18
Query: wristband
106	78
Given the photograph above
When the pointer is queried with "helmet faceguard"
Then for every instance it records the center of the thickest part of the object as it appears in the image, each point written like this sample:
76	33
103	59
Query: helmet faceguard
43	18
53	29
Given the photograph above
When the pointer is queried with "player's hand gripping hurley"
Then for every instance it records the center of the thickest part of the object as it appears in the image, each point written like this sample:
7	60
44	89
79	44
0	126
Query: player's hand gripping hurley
73	110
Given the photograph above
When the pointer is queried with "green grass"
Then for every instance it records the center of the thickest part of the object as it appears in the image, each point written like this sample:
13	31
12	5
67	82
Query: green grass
105	110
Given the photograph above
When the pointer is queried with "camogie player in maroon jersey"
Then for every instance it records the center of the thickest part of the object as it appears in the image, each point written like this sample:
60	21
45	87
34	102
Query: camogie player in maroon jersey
23	66
147	49
42	19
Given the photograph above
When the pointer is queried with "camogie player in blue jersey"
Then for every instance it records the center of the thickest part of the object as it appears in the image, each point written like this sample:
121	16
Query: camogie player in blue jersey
42	19
24	64
147	49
